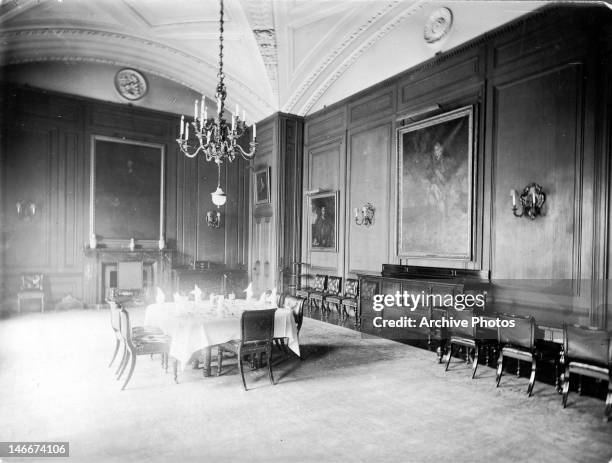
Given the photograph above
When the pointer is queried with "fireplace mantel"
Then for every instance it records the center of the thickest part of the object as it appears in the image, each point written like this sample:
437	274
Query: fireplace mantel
159	262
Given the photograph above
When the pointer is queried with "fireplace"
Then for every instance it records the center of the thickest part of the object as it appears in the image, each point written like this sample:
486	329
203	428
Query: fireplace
141	271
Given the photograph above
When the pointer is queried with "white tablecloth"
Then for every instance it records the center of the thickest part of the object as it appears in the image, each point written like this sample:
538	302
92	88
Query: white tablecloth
195	326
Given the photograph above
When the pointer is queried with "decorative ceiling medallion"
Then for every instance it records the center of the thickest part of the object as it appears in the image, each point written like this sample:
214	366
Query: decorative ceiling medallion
130	84
438	25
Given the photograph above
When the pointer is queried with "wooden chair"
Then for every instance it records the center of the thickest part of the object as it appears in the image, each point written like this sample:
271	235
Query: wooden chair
303	286
464	336
350	299
256	334
32	287
315	297
518	342
588	352
332	295
147	344
137	331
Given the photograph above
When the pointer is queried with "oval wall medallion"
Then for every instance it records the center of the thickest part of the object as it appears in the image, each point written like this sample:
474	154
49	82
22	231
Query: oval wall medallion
130	84
438	25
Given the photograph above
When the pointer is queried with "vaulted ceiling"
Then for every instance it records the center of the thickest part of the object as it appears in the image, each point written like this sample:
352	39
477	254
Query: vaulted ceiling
294	56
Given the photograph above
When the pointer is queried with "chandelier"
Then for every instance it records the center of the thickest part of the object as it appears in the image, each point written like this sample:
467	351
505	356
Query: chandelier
214	137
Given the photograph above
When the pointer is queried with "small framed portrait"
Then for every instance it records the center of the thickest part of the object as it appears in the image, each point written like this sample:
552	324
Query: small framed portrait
323	221
262	186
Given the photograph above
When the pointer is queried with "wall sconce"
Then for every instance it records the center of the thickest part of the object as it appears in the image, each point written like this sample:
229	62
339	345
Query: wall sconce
366	216
213	219
25	209
532	199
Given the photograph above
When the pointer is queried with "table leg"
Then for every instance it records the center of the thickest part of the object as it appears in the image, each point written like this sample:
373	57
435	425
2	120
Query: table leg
207	355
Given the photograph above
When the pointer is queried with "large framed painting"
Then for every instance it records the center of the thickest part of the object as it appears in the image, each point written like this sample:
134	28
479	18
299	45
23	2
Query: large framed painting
126	191
262	186
323	221
435	190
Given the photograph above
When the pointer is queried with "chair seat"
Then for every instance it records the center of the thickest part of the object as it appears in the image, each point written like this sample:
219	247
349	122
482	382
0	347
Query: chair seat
470	342
145	330
517	353
592	371
302	292
316	295
333	299
152	343
234	345
31	294
350	301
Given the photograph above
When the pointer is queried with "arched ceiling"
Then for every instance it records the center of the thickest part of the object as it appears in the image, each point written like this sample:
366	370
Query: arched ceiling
294	56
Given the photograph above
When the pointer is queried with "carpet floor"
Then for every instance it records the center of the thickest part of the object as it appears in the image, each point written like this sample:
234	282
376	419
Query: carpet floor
351	398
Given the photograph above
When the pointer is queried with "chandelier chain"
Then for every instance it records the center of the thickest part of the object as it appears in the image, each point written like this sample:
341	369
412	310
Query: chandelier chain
216	137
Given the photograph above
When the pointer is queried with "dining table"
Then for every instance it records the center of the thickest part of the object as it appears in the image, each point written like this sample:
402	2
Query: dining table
197	326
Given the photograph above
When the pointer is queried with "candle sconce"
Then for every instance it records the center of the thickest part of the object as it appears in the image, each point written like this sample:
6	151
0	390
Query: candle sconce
365	216
531	201
25	209
213	219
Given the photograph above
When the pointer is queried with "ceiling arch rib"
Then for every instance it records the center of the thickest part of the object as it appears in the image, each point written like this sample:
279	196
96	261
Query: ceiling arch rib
193	72
341	40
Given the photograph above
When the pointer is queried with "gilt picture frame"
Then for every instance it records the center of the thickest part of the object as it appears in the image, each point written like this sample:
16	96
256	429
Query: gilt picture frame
126	191
435	186
262	186
323	221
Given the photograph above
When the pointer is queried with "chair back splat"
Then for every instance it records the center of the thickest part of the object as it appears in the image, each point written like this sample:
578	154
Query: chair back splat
257	325
588	352
522	334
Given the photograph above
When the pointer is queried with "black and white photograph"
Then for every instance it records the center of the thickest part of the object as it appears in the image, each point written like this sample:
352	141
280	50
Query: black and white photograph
294	231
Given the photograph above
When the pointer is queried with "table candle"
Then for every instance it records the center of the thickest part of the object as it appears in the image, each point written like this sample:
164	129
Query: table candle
513	194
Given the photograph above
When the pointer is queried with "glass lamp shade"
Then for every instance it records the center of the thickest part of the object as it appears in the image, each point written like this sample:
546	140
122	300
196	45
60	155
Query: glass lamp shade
218	197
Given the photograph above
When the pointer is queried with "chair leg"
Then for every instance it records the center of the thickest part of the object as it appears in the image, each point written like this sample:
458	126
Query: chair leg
241	369
114	353
219	360
450	354
175	370
132	365
566	384
269	354
124	358
500	368
475	363
532	377
608	409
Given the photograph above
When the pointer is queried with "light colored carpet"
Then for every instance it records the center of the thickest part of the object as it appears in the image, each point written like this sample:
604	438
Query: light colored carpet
350	399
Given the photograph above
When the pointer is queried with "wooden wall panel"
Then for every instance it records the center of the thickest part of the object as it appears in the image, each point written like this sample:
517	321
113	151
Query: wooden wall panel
369	180
27	178
326	163
549	156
